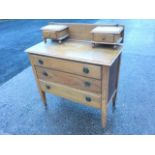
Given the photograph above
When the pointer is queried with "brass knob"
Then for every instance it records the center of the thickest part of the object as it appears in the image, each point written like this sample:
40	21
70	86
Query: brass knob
40	62
88	99
45	73
86	70
87	83
48	87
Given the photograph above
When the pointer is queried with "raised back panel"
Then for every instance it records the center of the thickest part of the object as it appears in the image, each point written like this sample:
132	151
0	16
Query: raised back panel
82	31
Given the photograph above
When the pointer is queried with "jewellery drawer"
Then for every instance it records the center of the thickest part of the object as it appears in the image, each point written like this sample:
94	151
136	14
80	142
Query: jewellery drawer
109	38
55	35
84	97
72	80
84	69
107	34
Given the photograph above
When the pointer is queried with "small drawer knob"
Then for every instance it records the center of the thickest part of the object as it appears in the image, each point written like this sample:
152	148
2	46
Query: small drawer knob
40	61
87	84
86	70
48	87
45	73
88	99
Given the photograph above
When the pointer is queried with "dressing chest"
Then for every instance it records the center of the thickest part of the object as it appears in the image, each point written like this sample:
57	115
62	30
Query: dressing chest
76	71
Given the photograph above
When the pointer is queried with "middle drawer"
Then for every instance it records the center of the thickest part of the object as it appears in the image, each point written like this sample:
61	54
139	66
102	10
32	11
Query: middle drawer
74	81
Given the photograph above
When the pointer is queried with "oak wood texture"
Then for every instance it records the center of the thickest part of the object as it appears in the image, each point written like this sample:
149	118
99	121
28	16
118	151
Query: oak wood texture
107	35
105	90
72	94
55	32
64	69
72	80
68	66
81	31
75	50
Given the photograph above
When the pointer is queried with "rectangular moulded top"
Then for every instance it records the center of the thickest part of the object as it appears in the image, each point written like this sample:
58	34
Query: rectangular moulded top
75	50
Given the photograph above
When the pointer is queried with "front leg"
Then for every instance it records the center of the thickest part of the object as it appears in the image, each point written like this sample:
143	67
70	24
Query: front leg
104	114
43	96
105	93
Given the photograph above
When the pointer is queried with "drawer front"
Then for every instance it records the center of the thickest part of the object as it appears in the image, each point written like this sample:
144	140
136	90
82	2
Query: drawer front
110	38
62	33
72	80
55	35
71	93
86	70
103	38
46	34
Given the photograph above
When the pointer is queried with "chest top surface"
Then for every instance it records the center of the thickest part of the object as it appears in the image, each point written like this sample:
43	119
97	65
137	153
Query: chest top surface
81	51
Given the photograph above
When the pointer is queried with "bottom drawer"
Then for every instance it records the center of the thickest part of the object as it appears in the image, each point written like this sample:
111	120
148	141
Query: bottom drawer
84	97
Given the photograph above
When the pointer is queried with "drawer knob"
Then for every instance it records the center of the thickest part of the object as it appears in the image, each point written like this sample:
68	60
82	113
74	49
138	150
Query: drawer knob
86	70
87	83
45	73
88	99
48	87
40	62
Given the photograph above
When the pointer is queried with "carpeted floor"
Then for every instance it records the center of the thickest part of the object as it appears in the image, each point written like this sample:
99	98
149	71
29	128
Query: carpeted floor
21	110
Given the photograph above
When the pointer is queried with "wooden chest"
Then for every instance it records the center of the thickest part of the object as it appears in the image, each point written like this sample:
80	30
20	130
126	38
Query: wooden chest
76	71
55	32
107	35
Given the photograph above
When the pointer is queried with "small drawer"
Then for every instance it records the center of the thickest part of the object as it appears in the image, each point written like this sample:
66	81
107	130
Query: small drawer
76	95
55	32
107	34
61	34
87	70
72	80
108	38
58	35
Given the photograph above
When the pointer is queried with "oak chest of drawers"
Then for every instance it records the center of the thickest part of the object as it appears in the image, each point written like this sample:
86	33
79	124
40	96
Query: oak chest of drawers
76	71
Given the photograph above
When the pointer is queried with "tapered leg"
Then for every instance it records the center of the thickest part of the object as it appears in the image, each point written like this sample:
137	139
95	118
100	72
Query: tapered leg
114	100
104	114
105	90
43	97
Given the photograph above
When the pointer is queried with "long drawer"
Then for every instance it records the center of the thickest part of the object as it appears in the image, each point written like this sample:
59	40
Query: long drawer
72	80
84	69
84	97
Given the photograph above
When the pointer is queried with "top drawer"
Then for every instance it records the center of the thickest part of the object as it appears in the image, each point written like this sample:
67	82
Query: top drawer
78	68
